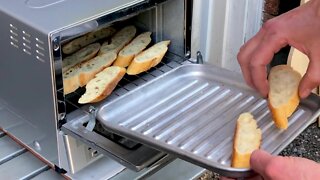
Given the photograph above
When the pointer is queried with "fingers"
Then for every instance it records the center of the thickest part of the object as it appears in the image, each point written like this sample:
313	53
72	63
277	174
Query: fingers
256	54
258	161
245	54
260	59
312	77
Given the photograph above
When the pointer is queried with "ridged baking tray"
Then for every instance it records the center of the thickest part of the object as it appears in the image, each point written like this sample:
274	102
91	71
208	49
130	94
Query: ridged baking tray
191	112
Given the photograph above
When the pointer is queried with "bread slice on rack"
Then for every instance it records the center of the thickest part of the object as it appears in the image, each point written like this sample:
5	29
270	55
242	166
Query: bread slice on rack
283	97
102	85
79	75
89	38
137	45
148	58
119	40
90	68
247	138
71	79
82	55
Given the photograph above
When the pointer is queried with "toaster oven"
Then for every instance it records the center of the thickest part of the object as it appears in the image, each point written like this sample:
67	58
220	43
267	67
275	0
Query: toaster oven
85	141
54	126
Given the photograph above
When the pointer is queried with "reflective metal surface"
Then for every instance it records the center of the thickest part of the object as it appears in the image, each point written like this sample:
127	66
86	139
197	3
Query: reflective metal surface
191	112
135	159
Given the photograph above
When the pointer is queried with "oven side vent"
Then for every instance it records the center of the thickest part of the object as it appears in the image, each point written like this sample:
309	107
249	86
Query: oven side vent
23	40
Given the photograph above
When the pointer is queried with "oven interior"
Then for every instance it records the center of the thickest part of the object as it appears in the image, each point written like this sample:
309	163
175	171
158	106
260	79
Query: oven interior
166	21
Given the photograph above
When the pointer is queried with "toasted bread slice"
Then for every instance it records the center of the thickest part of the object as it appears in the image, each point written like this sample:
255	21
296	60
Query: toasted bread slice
102	85
90	68
71	79
137	45
119	40
79	75
148	58
89	38
82	55
247	138
283	98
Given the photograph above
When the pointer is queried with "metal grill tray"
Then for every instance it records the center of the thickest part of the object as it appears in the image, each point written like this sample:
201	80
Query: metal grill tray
191	112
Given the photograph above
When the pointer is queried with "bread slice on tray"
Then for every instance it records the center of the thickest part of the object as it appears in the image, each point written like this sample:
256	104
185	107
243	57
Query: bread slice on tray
148	58
119	40
137	45
89	38
90	68
283	98
102	85
82	55
247	138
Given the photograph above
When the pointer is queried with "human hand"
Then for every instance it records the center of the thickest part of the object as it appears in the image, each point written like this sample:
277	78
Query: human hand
299	28
282	168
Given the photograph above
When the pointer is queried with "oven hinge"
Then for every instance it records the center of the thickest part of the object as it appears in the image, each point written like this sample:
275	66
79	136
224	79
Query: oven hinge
92	121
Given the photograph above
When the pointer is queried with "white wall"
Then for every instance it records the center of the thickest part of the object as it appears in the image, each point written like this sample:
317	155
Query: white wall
220	27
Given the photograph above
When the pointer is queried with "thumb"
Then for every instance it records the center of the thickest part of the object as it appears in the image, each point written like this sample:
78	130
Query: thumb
312	77
258	161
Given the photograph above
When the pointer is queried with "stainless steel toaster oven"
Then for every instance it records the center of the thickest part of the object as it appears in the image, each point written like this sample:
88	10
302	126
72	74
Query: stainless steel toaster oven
151	121
54	126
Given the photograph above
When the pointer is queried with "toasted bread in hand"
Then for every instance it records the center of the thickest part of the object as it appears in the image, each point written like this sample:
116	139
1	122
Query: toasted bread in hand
283	97
247	138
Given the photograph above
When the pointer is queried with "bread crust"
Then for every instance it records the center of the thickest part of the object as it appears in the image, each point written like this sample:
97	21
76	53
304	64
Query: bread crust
80	56
119	40
71	83
107	89
281	113
124	59
89	38
242	159
137	67
86	76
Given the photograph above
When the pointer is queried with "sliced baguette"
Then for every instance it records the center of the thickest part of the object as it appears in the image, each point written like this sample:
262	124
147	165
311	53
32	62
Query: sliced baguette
79	75
82	55
283	98
71	79
247	138
119	40
102	85
90	68
89	38
137	45
148	58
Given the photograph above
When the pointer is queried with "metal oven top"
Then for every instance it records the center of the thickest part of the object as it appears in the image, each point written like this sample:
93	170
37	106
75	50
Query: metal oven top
50	15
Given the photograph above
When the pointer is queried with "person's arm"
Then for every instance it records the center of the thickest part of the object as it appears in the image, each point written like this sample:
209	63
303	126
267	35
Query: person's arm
299	28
